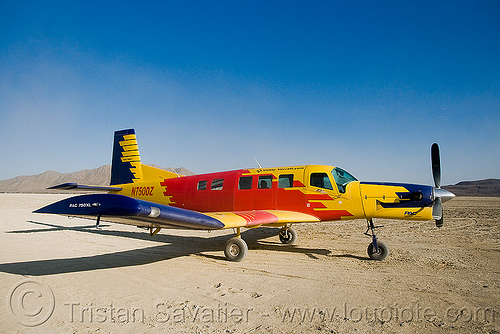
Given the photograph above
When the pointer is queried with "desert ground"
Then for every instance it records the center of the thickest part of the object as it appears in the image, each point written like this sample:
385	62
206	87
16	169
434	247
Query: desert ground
63	275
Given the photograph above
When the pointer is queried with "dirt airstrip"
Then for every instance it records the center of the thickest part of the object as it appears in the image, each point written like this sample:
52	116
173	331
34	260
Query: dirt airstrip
63	275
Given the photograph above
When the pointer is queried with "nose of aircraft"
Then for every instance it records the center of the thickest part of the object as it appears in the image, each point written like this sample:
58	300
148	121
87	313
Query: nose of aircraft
445	195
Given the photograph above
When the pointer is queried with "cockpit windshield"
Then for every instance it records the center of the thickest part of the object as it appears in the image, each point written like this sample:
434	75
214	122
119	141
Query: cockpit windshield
342	178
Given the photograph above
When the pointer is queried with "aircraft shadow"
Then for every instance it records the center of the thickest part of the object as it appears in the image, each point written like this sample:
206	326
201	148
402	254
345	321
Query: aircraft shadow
350	256
174	246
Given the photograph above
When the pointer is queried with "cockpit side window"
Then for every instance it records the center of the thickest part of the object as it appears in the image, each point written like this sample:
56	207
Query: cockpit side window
342	178
321	180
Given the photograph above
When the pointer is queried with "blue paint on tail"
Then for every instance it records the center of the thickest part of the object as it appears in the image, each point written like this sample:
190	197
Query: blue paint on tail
124	158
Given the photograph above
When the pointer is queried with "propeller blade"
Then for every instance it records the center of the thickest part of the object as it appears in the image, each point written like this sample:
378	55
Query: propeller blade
437	211
436	165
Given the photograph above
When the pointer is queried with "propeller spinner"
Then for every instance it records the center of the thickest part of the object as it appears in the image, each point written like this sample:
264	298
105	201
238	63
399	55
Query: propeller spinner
440	195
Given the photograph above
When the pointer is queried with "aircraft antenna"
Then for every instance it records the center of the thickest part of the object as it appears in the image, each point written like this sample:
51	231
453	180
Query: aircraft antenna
257	161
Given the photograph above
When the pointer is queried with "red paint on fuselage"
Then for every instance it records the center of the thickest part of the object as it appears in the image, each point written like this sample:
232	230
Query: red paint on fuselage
257	217
203	193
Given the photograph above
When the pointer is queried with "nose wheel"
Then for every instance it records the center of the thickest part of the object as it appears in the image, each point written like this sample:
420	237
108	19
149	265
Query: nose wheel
378	254
377	250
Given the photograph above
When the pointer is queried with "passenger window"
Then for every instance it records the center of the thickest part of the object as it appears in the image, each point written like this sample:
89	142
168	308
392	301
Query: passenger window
245	182
285	181
217	184
321	180
265	181
202	185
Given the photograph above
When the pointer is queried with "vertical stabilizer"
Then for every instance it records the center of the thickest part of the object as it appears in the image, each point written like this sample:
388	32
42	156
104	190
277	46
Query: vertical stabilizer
126	163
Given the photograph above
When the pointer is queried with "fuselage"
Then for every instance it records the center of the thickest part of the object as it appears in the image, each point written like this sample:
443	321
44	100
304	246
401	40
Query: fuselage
325	192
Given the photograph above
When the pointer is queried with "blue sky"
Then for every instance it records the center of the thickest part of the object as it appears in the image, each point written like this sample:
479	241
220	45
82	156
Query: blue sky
208	85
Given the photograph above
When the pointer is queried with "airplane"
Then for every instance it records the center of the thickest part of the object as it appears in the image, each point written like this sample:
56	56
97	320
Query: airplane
154	198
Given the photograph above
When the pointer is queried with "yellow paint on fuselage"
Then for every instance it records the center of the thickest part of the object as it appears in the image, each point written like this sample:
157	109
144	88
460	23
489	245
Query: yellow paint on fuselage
374	195
360	201
148	186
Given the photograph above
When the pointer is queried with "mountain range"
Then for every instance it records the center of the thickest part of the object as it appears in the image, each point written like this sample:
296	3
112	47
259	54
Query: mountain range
38	183
488	187
101	176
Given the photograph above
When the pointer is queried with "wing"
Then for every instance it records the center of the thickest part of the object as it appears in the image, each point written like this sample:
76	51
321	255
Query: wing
127	210
76	186
257	218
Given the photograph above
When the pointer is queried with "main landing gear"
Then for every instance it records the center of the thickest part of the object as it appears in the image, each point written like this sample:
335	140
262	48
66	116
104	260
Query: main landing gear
287	235
377	250
236	248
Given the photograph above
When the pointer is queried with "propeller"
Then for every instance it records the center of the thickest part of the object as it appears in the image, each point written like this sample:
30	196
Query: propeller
440	195
436	165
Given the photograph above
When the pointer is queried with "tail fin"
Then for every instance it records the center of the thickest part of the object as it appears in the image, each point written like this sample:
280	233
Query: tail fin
126	164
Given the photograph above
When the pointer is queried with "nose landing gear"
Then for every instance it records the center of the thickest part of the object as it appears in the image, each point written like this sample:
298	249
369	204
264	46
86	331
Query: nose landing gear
377	250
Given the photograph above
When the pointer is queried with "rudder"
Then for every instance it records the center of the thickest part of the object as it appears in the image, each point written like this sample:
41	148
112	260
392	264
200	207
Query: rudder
126	163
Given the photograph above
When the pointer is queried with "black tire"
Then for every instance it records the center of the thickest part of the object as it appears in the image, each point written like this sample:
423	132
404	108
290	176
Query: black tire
288	236
236	249
379	255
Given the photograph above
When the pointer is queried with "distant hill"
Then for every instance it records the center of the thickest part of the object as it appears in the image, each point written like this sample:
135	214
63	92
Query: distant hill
489	187
38	183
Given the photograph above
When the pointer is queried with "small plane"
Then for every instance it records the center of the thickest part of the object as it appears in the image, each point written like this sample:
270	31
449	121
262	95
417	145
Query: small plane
154	198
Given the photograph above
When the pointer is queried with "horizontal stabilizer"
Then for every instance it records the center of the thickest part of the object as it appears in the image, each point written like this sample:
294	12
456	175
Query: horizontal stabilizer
76	186
127	210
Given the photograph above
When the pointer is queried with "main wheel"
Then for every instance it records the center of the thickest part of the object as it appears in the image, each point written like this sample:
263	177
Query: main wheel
379	254
236	249
288	236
